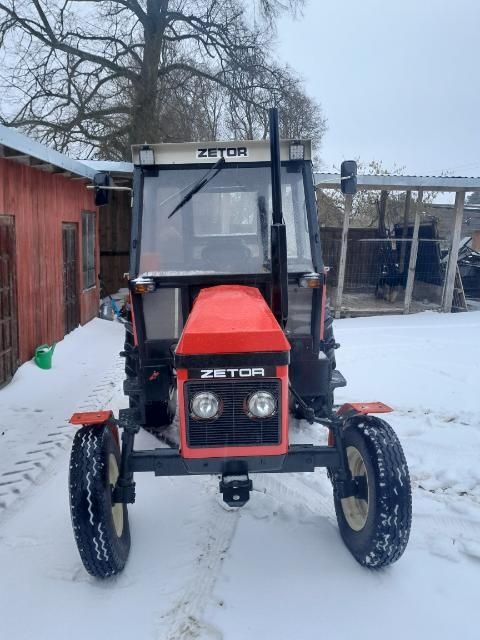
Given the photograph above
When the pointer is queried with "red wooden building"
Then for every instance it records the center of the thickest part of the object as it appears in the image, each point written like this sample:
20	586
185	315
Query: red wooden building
49	250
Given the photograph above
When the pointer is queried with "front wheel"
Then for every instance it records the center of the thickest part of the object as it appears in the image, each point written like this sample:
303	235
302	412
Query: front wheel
375	523
100	526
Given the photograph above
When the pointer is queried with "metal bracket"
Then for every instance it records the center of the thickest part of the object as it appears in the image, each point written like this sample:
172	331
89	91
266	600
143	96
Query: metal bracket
128	419
123	493
355	486
235	489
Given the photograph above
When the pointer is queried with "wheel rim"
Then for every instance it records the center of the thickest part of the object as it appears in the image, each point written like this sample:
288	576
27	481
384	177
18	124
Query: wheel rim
355	509
117	507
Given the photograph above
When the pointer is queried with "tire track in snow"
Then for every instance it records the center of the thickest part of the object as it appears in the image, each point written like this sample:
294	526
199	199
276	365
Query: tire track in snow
310	491
185	620
447	525
37	459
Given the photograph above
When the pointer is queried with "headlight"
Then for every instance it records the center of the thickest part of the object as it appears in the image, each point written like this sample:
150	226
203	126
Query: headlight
261	404
205	405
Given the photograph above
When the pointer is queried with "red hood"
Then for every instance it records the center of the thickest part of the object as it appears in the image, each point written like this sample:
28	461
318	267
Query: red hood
231	319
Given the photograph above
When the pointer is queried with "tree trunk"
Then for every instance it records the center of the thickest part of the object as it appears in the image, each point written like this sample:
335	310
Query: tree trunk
145	120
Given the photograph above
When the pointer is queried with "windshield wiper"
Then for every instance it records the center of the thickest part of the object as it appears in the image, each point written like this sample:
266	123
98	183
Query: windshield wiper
211	173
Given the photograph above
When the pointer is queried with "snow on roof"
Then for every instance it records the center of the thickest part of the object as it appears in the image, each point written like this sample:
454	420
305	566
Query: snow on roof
15	141
110	166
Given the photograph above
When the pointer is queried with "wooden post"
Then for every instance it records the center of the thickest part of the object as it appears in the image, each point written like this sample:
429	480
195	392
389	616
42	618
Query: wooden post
382	212
343	254
406	214
413	254
453	256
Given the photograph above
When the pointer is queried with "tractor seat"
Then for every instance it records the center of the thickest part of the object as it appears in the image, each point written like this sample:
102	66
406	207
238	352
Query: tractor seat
226	253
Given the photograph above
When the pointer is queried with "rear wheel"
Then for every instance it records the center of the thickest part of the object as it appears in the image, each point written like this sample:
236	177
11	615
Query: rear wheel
157	415
374	523
322	405
100	526
329	338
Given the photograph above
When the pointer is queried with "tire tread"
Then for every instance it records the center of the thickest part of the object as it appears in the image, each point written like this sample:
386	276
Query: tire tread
101	554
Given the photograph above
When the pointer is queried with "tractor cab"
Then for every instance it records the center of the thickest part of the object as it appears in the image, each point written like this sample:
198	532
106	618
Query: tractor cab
202	217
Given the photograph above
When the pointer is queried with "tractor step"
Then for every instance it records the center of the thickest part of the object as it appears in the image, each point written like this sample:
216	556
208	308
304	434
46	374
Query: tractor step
337	380
131	387
130	351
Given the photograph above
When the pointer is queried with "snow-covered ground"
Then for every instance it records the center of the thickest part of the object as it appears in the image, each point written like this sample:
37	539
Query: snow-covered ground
277	568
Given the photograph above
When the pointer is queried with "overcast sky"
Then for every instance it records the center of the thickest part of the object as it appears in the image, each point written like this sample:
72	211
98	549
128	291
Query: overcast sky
398	81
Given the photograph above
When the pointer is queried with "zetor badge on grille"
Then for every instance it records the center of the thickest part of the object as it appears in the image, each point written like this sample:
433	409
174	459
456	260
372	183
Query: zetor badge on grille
228	331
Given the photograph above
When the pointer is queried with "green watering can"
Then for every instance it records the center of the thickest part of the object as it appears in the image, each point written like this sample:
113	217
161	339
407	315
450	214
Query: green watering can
43	356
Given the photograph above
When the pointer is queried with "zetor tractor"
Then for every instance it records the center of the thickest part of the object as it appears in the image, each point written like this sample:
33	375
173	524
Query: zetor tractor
229	331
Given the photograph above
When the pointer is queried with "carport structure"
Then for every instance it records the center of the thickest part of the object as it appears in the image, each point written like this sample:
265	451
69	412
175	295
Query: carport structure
408	184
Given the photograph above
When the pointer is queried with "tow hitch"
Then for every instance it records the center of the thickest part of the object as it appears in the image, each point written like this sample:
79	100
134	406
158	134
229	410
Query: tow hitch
235	489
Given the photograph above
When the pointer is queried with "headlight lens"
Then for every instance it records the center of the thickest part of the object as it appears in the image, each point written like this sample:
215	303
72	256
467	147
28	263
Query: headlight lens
261	404
205	405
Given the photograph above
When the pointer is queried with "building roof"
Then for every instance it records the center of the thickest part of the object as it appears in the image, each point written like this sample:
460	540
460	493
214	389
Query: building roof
110	166
401	183
20	148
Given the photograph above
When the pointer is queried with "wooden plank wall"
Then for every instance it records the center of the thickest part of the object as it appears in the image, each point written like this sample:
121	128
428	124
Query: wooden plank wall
40	202
115	224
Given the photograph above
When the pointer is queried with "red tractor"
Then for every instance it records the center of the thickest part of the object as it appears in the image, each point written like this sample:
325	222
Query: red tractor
229	330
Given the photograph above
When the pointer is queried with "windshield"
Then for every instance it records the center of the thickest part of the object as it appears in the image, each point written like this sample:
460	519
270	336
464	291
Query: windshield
225	227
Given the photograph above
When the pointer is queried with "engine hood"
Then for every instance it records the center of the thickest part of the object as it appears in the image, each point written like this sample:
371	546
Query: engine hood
231	319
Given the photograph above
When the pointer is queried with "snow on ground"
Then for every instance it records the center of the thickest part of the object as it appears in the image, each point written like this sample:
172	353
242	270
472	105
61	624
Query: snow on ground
36	405
276	568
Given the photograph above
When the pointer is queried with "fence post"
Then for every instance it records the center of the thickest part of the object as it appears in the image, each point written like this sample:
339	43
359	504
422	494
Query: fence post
453	256
343	254
406	214
413	254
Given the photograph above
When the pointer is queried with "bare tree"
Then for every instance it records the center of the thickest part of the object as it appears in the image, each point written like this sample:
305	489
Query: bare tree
96	76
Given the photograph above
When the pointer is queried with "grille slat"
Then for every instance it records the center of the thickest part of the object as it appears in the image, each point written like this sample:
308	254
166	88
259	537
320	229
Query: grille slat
234	427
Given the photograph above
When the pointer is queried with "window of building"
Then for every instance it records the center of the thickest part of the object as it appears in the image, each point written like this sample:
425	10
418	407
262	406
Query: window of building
88	249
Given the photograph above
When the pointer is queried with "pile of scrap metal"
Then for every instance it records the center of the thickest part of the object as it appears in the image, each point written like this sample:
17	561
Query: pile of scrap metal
469	267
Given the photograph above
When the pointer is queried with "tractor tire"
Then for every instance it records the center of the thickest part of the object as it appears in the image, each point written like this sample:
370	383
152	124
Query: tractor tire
159	415
155	416
101	527
321	405
130	355
375	529
329	338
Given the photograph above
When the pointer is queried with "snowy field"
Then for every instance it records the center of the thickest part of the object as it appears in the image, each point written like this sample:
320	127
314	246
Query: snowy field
276	569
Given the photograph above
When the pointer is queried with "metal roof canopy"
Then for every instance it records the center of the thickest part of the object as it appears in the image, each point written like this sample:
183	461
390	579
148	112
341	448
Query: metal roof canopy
20	148
401	183
458	185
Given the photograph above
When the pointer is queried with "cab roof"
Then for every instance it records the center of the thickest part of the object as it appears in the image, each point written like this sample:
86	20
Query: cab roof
208	152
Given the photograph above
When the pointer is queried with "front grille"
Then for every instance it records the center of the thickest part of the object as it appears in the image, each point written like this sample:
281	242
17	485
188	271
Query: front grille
234	427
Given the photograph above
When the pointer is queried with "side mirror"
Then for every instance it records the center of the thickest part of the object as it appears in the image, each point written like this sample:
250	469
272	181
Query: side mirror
348	179
101	195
